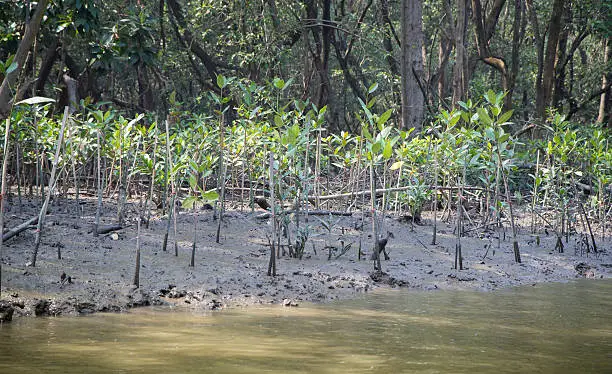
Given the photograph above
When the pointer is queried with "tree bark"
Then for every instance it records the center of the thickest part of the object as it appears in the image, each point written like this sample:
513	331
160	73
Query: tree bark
460	68
46	65
539	41
550	58
605	101
412	64
10	79
484	31
444	51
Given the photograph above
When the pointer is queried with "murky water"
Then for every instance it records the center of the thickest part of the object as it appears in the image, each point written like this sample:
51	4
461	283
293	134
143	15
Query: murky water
554	328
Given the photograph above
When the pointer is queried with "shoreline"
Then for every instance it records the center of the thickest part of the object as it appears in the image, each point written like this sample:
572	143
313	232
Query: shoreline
233	274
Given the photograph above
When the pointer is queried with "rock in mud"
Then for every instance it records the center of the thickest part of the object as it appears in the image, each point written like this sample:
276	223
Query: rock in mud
6	311
584	270
41	307
384	278
289	302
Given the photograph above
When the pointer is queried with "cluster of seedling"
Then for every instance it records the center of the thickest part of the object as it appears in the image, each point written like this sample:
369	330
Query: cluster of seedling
257	147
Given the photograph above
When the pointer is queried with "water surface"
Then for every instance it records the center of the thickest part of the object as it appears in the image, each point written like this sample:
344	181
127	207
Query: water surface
553	328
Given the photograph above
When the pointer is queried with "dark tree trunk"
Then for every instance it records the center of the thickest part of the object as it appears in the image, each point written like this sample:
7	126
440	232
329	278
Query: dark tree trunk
145	96
460	79
444	51
46	66
544	96
605	101
412	64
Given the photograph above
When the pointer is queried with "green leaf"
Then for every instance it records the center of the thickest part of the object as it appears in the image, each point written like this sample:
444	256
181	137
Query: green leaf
193	182
366	133
278	83
172	98
384	117
376	147
210	195
221	81
36	100
396	165
373	88
387	151
188	202
484	116
278	121
505	117
385	132
323	110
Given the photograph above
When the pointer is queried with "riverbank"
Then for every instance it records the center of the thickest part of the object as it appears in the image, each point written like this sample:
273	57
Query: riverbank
233	273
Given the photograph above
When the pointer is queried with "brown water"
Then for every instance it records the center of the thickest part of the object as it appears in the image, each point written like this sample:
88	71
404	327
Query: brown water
554	328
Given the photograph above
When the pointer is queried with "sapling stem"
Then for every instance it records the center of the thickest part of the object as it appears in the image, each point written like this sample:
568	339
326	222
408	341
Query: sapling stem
377	264
195	232
168	166
272	263
99	181
136	282
3	189
43	210
152	185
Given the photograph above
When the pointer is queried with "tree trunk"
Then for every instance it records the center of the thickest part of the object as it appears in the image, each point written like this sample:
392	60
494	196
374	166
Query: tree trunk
539	41
145	96
460	68
484	31
20	57
605	102
550	58
46	65
559	92
412	64
517	35
444	51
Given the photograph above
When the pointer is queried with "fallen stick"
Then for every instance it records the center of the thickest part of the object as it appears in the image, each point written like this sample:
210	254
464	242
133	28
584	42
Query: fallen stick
310	213
108	228
20	228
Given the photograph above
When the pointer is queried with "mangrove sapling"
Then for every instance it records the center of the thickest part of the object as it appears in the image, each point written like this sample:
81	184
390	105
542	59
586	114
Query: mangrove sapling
18	173
221	83
459	229
376	252
99	182
7	130
197	197
153	169
43	210
588	222
537	180
136	282
73	156
435	199
272	263
167	166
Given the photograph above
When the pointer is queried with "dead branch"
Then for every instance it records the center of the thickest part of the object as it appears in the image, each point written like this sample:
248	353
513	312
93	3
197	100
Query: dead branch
20	228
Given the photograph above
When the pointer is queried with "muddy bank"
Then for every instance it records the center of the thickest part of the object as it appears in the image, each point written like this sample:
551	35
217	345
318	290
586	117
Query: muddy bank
233	273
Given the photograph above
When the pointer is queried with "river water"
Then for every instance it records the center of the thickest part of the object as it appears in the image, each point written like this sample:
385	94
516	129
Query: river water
551	328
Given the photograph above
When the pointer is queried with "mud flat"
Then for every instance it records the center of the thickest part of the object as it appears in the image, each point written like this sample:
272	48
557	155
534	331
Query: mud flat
234	273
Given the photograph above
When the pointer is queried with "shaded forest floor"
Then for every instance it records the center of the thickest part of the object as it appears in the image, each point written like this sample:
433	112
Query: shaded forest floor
233	273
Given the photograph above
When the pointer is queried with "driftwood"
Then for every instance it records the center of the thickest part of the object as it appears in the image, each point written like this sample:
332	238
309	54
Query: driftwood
267	215
109	228
18	229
